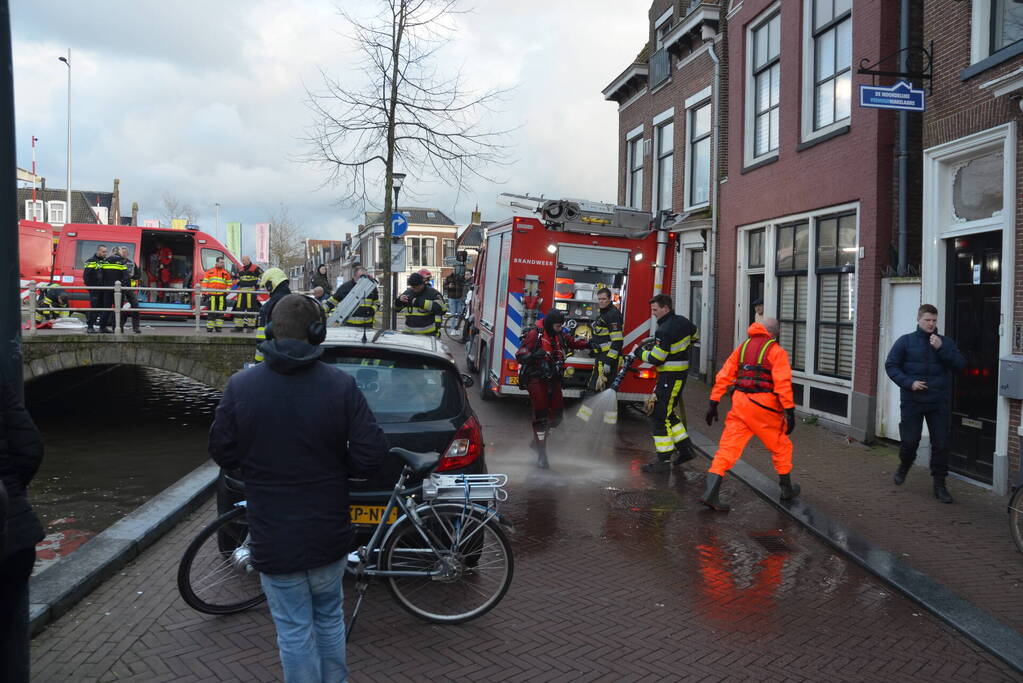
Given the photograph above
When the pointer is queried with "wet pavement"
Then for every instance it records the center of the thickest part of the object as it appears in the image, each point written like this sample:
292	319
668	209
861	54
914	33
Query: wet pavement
620	576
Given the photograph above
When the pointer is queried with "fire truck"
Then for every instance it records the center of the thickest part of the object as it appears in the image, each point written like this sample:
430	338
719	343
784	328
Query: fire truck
559	260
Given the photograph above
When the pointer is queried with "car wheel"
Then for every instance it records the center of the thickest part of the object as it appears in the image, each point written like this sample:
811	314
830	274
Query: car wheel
485	393
470	351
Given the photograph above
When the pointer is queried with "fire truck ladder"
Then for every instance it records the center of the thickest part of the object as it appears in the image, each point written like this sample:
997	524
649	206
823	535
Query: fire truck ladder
352	301
583	215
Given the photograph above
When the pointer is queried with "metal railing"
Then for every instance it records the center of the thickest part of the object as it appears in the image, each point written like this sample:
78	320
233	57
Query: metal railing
32	306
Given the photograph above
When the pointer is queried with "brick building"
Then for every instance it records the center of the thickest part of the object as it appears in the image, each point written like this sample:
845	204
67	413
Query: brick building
971	255
667	141
429	242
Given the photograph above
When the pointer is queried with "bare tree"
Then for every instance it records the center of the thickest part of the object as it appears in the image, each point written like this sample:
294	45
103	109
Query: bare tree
407	114
173	207
286	236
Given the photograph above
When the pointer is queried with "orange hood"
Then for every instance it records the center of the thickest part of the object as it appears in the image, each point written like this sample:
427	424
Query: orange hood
757	330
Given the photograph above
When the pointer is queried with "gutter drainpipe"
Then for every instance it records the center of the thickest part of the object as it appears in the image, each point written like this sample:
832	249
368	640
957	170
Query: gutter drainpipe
903	139
707	343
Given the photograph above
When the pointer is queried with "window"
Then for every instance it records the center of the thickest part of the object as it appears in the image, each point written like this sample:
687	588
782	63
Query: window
836	294
755	249
56	212
792	260
34	210
420	251
1006	23
210	256
831	35
634	181
449	251
698	177
86	249
665	165
763	107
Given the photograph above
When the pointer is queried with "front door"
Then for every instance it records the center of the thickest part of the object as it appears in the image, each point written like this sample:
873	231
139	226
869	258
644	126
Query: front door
974	307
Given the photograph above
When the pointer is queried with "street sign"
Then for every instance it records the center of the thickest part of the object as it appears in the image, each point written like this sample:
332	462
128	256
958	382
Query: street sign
399	224
398	258
902	96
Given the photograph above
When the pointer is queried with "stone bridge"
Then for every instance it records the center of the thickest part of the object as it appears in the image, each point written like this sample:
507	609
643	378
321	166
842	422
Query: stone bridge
207	359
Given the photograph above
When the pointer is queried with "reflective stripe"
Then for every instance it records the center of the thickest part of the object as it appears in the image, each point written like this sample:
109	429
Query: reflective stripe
658	354
674	366
585	413
664	444
679	433
611	417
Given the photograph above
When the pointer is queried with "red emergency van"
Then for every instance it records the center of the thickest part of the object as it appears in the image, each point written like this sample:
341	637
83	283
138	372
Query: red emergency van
50	256
526	268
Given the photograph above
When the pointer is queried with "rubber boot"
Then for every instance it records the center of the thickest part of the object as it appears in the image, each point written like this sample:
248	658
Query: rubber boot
710	496
540	431
788	489
683	453
940	492
900	474
661	464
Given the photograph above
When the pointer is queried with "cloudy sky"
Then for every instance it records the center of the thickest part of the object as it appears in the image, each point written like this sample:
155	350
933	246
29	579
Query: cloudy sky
205	100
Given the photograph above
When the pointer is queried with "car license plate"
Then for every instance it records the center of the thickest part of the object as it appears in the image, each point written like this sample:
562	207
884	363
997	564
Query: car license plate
370	514
513	380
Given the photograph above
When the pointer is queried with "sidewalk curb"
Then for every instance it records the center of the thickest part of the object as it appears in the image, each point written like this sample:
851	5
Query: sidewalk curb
56	589
973	622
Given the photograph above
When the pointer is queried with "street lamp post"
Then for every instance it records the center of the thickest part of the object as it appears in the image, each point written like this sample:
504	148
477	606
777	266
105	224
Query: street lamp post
67	208
396	180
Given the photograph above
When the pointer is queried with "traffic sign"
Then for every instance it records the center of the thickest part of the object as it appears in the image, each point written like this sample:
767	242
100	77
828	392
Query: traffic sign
902	96
399	224
398	260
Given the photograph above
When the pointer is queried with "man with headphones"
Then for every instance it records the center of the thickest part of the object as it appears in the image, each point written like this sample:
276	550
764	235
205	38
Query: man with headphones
297	429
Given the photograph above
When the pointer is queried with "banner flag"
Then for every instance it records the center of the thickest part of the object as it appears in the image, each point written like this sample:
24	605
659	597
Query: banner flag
262	242
179	223
151	223
234	238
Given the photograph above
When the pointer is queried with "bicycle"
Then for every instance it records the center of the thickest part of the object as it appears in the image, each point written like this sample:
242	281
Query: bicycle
1015	511
445	559
456	327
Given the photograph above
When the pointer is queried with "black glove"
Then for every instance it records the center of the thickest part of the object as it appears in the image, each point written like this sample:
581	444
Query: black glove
790	420
712	413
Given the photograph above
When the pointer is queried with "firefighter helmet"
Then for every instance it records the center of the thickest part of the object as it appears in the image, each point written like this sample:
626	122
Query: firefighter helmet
272	278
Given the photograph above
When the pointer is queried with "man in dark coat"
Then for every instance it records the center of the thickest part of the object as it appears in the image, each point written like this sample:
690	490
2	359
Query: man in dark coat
92	276
922	363
21	452
298	429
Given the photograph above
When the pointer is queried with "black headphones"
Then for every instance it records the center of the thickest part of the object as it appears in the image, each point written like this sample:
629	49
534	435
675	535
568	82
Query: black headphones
316	333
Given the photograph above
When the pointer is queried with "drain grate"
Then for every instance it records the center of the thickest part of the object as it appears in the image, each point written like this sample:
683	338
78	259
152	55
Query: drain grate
772	542
645	501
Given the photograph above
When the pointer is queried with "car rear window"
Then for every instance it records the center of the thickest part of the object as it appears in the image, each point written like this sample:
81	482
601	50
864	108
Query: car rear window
403	390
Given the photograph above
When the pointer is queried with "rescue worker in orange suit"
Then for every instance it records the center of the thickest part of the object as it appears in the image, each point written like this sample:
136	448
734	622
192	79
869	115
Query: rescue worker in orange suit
246	305
541	358
218	280
762	405
668	351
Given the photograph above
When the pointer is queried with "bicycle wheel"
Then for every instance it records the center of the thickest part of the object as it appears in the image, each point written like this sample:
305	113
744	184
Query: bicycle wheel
473	557
453	328
1016	518
218	581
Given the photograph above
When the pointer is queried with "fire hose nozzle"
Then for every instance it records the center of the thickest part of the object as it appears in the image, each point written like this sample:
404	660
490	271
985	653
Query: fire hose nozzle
620	377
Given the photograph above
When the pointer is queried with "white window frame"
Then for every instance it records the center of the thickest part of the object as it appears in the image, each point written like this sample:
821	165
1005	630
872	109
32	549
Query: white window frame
749	127
688	189
630	143
980	31
663	21
808	117
448	241
56	204
658	124
34	211
422	240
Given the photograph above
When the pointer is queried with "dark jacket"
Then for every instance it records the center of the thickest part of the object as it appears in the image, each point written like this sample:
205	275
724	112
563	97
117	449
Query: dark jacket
362	316
114	269
607	333
675	334
92	271
266	309
913	358
423	311
454	286
297	429
21	452
318	279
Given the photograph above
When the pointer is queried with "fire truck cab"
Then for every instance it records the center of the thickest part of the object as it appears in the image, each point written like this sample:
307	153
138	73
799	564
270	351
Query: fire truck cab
529	266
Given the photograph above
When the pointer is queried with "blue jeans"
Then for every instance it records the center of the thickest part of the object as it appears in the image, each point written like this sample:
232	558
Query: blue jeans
307	611
454	305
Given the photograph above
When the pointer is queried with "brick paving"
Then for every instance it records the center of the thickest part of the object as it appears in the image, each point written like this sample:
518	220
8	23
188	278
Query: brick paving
619	577
965	546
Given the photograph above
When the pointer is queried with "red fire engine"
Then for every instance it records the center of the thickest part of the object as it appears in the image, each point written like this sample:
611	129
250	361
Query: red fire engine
529	266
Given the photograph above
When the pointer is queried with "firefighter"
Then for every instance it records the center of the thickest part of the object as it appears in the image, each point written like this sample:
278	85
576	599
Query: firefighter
276	282
762	405
366	313
114	269
130	295
669	352
428	279
541	358
92	276
51	303
246	304
606	342
218	280
424	304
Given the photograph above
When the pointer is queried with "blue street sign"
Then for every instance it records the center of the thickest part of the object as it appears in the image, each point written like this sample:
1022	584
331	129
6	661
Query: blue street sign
399	224
901	96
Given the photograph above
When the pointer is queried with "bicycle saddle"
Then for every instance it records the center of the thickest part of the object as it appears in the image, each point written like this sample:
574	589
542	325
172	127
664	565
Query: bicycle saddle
421	463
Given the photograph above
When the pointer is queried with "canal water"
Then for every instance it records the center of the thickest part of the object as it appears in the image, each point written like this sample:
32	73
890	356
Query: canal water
115	436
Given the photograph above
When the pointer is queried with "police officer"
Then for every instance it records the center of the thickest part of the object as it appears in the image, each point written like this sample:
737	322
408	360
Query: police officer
246	304
669	352
424	307
276	282
606	342
92	276
130	295
366	313
762	406
114	269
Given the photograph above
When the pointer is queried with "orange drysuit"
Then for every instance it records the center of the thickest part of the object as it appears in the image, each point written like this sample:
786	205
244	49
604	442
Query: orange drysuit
761	413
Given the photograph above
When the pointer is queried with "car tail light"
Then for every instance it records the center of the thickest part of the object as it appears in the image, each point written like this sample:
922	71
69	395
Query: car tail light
512	366
465	448
646	374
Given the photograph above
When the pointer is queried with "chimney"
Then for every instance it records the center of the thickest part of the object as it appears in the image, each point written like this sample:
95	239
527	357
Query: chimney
134	213
115	204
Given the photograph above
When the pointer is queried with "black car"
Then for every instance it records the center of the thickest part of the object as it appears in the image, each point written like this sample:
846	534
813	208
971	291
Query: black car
414	388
